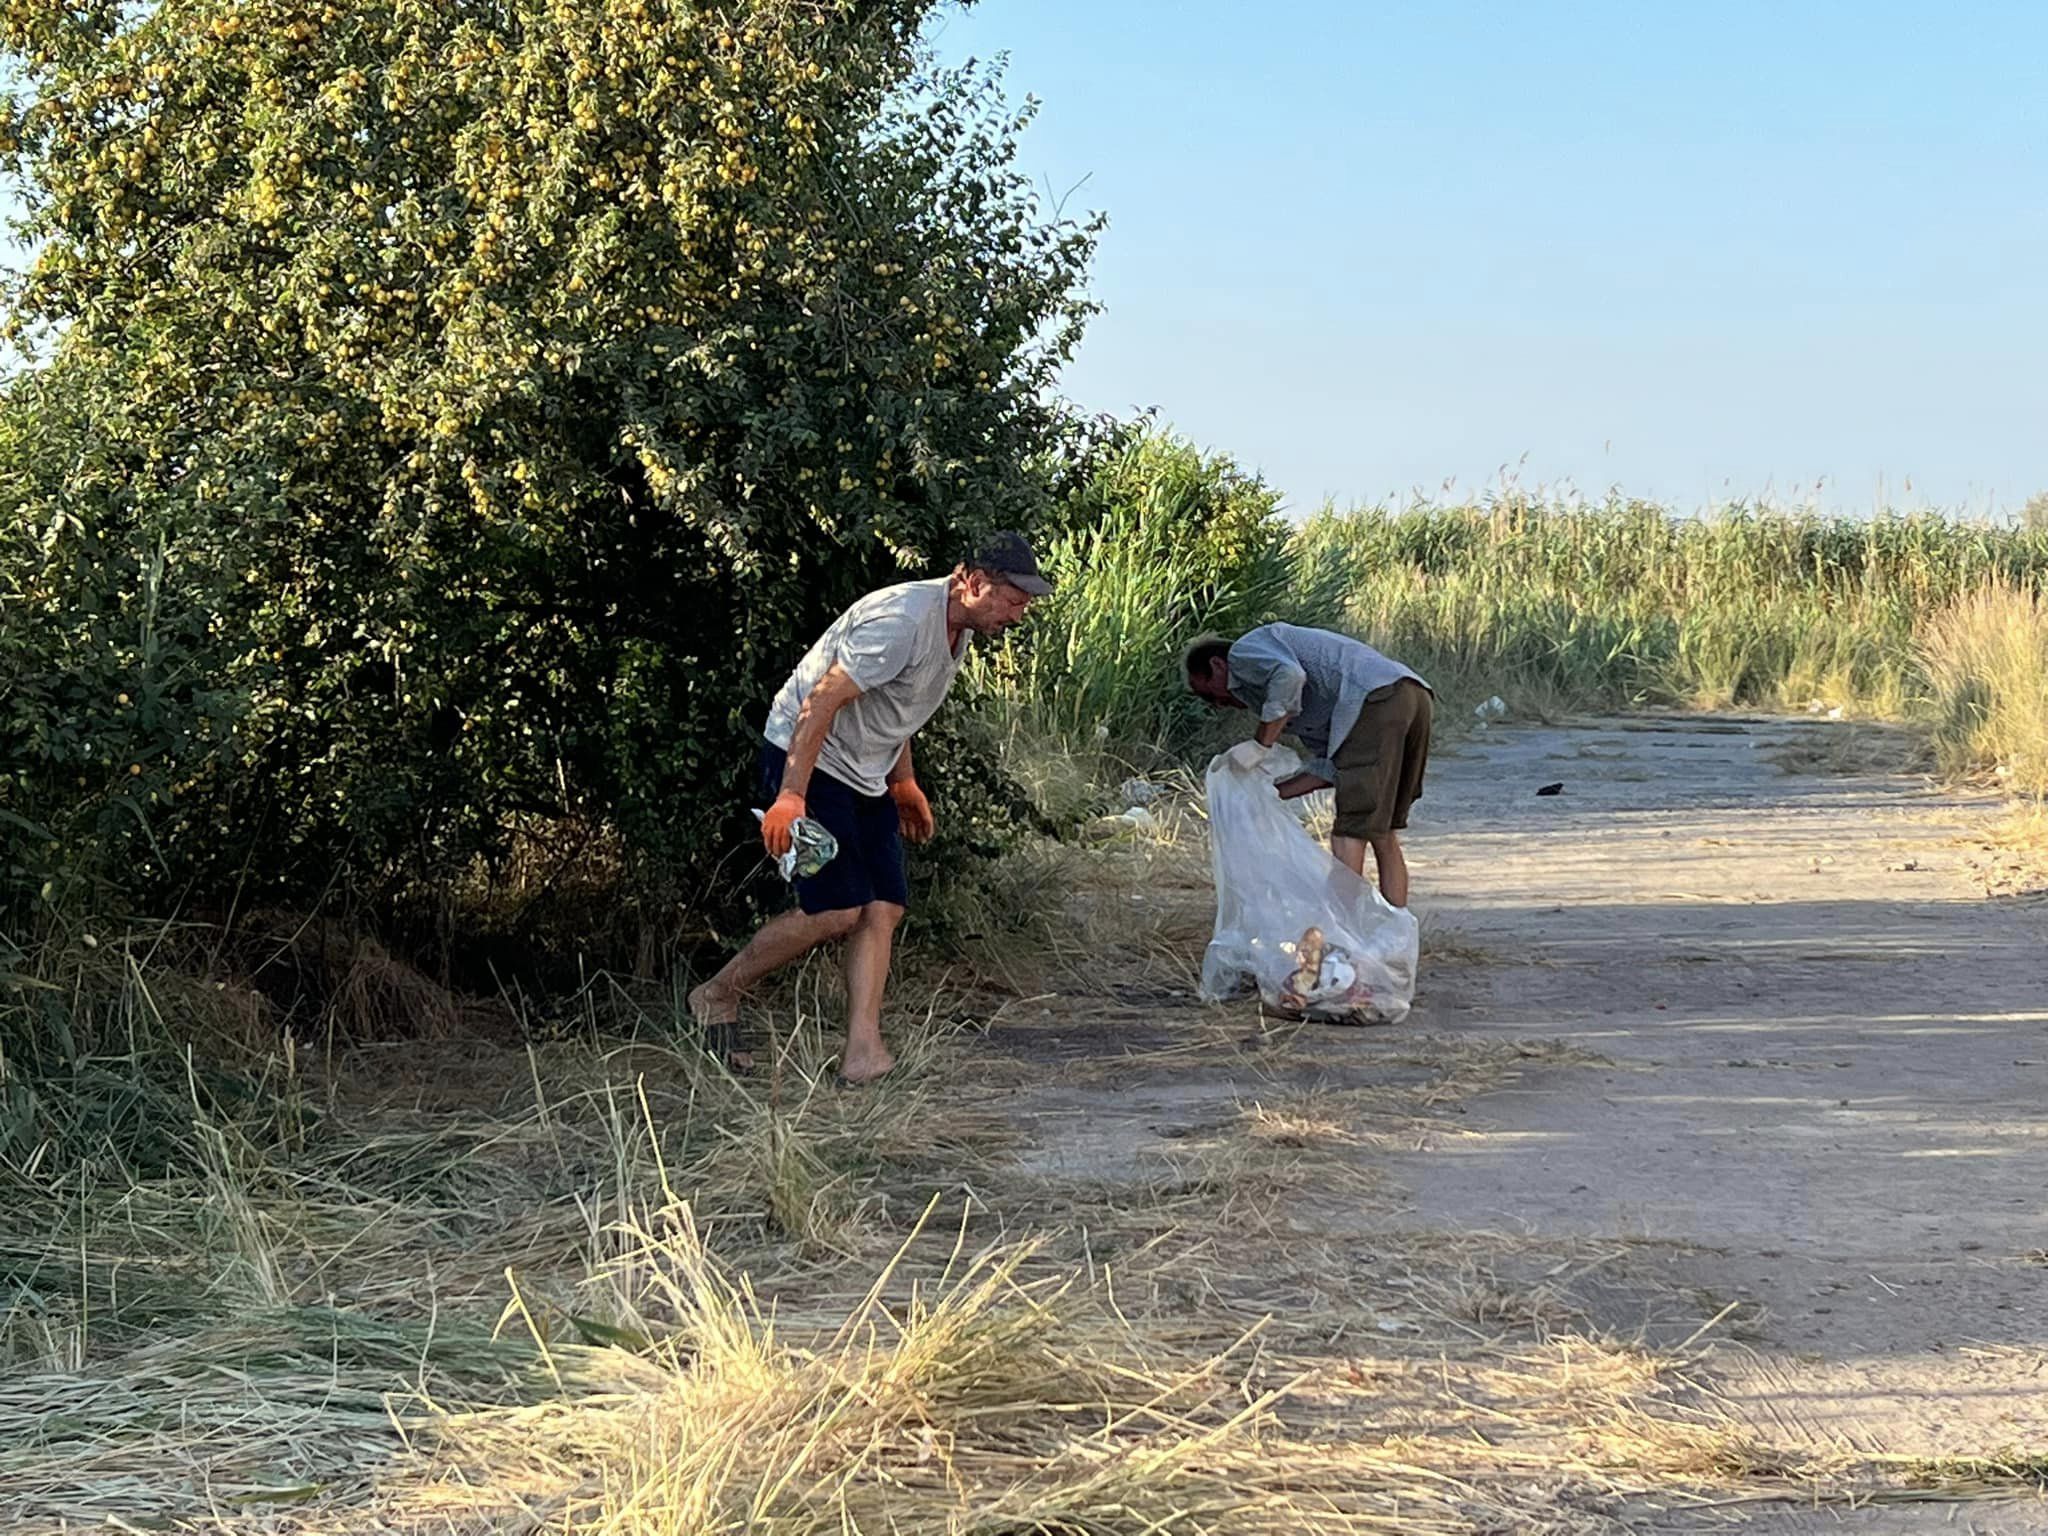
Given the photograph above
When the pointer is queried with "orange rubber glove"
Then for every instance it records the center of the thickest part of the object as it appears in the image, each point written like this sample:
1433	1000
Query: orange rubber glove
913	811
775	825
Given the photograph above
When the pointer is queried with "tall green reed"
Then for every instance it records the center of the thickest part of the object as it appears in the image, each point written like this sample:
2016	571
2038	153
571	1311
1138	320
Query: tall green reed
1623	602
1177	543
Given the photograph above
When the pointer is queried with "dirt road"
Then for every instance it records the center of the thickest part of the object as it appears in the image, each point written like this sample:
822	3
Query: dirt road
1828	1094
1708	1056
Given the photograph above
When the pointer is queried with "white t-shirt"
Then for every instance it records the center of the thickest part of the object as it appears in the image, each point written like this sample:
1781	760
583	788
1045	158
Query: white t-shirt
892	643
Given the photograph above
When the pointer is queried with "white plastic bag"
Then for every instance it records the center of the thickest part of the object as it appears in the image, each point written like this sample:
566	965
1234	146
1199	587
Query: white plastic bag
1316	940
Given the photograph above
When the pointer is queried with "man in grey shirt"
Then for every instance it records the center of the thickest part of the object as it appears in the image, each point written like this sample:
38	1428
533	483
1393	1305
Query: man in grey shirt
836	751
1363	717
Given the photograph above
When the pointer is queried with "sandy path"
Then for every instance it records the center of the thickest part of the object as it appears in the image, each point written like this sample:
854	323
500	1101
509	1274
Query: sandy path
1817	1123
1828	1095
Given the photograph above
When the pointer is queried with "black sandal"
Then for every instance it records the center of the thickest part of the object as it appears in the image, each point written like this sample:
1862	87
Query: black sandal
725	1039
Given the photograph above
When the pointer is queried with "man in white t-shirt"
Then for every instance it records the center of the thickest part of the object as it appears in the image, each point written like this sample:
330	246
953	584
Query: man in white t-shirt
837	751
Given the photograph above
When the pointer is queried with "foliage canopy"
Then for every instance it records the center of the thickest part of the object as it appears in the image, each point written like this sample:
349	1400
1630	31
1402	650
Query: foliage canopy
456	414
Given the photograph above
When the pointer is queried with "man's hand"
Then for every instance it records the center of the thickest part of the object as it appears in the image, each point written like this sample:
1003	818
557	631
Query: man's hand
913	811
1300	784
1246	756
775	834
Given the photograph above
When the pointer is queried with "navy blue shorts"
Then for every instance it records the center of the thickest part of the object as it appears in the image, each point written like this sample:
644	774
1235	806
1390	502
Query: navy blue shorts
869	864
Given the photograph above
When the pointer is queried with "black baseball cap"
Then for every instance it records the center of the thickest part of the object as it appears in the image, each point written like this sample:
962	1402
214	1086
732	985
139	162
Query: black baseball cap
1008	556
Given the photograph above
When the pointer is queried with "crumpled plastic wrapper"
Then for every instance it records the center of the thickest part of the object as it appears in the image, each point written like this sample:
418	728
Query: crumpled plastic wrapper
1324	980
811	848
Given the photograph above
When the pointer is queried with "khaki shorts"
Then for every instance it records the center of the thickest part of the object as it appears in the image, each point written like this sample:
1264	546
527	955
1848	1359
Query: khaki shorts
1379	765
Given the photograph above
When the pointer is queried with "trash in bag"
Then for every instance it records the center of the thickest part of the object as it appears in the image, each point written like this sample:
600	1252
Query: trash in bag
1317	941
811	848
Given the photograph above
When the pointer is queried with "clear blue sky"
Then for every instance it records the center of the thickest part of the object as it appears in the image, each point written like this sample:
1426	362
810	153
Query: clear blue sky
1694	249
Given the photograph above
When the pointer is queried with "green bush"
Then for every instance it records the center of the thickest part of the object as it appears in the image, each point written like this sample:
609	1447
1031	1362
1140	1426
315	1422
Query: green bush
451	418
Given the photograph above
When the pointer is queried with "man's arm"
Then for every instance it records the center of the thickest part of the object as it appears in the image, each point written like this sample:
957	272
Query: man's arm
903	768
1301	784
1270	731
1283	686
1273	679
835	690
1282	680
913	811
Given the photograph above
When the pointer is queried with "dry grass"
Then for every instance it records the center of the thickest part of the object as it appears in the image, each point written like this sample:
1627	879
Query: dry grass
1853	747
973	1398
600	1286
714	1314
1442	946
2012	856
381	998
1311	1121
1986	658
229	1337
1997	1476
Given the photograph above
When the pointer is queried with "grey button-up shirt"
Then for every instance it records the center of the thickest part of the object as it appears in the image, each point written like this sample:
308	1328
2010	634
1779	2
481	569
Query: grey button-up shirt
1319	678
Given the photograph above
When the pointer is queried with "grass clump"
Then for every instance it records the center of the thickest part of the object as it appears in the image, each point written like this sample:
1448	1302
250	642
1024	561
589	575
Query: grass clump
960	1391
110	1045
1986	659
1170	541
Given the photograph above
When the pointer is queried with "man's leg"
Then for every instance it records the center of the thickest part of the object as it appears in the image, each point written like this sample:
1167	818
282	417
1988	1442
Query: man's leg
1405	791
1379	773
1350	852
867	975
1360	760
1393	867
783	938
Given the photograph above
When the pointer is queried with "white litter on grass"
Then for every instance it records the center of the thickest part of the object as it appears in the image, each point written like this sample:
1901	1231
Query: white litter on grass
1139	791
1495	708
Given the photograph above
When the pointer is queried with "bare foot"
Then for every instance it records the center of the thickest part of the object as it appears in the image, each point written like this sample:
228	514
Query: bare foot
865	1066
711	1004
717	1013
